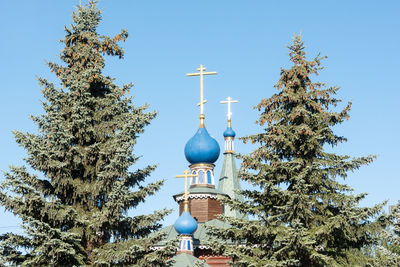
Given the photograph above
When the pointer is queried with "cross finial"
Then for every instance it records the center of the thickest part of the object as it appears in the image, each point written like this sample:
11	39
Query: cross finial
201	73
186	175
229	101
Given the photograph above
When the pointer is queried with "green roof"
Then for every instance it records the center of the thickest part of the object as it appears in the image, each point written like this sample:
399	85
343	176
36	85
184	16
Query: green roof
186	260
229	183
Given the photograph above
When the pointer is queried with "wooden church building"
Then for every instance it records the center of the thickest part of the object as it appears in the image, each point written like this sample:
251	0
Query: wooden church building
200	204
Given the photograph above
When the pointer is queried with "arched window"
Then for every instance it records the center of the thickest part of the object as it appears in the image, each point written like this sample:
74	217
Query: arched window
201	177
188	245
209	177
194	178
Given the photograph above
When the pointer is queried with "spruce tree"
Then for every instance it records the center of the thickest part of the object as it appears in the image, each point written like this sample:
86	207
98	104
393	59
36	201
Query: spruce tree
388	250
303	214
74	196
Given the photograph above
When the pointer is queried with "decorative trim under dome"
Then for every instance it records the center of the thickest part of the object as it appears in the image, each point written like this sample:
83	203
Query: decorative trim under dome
202	247
197	196
200	192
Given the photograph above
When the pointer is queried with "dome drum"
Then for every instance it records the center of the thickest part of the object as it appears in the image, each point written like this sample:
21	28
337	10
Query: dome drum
205	175
185	244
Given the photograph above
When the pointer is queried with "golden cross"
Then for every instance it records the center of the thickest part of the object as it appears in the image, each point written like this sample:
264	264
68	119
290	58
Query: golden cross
201	73
229	101
186	175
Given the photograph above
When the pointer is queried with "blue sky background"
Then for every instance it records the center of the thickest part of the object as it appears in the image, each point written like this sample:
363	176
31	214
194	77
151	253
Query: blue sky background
245	42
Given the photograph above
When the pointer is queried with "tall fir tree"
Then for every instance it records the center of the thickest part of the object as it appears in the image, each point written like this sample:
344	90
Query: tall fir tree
74	209
303	215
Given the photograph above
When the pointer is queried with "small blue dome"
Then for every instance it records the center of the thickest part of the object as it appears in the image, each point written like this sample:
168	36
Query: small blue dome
202	148
185	224
229	132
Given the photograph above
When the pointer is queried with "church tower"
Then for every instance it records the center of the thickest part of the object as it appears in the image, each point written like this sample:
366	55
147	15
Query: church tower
201	151
200	203
228	180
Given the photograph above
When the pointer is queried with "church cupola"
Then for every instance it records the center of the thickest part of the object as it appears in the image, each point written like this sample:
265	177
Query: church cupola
185	225
202	150
229	133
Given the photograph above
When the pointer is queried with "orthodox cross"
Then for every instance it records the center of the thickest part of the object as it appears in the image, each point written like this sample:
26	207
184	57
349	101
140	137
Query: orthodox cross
201	73
229	101
186	175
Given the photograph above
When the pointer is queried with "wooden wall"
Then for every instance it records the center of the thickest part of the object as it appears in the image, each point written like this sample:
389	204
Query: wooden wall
203	209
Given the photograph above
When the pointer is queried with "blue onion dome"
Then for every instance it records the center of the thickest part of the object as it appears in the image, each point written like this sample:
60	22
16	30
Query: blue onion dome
229	132
202	148
185	224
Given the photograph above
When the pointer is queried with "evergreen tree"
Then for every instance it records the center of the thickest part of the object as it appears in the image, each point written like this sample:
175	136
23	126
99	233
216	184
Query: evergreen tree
388	249
74	202
303	215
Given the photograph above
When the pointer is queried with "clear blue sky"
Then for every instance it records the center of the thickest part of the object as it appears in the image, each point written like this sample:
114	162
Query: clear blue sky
244	41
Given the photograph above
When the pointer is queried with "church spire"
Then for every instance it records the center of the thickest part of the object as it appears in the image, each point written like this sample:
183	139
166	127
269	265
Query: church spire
228	181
